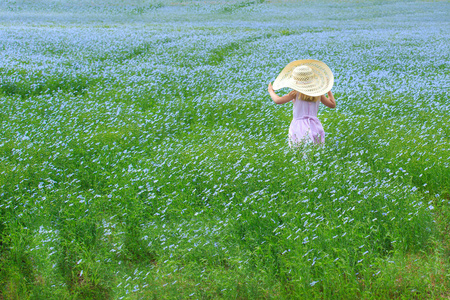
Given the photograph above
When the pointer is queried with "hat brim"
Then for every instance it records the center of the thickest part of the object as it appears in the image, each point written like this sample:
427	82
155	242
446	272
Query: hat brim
322	83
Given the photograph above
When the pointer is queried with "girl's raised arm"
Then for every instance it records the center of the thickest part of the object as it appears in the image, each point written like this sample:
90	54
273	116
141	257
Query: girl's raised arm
330	101
277	99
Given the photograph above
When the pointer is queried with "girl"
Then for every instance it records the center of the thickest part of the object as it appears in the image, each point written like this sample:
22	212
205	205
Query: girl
310	79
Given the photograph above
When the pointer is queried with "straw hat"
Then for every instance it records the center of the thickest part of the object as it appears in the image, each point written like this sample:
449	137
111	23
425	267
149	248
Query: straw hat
308	76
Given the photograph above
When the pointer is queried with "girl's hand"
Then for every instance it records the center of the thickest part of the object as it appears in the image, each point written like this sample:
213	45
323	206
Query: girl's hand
270	87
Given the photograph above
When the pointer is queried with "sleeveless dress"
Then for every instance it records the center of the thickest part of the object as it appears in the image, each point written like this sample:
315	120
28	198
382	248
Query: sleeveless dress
305	126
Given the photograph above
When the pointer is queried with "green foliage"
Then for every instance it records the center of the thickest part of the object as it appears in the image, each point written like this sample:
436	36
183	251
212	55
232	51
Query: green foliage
38	84
239	5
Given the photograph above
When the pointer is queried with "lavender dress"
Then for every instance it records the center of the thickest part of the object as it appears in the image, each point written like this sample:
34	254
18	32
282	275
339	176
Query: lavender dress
305	126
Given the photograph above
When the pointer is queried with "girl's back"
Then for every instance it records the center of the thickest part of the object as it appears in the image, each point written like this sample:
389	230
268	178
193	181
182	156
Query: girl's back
305	126
305	108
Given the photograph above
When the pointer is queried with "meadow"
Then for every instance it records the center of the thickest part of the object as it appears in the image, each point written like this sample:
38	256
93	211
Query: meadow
141	156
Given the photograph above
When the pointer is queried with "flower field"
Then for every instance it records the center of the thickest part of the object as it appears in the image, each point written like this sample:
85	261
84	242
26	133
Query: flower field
141	156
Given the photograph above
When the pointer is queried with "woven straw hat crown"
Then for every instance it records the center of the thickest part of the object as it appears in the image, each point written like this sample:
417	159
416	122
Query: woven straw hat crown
303	74
309	76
